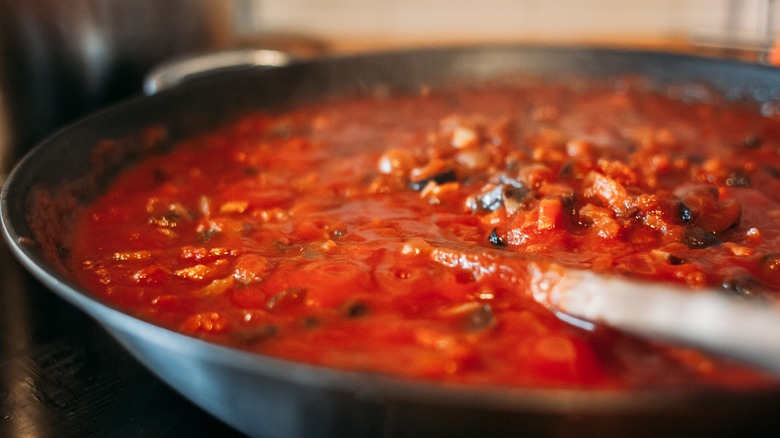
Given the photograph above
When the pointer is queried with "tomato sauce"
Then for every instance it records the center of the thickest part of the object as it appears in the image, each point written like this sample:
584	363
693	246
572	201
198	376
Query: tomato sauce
387	233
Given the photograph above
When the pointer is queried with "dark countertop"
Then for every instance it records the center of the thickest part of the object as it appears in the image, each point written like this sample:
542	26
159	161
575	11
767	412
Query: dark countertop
62	375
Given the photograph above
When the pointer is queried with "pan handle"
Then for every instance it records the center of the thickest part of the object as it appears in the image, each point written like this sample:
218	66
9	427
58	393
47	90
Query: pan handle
178	71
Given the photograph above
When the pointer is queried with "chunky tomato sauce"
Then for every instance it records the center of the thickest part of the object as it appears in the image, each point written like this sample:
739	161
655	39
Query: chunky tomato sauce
388	233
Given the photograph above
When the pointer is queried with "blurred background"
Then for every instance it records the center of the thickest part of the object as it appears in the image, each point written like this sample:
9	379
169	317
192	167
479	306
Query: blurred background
605	21
60	59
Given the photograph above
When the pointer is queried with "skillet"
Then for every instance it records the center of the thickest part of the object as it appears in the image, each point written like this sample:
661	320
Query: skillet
268	397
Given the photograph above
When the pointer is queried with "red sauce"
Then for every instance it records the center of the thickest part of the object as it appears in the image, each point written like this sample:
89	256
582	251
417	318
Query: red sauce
384	234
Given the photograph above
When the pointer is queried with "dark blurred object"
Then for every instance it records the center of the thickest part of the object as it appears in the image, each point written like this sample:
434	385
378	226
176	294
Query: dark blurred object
60	374
60	59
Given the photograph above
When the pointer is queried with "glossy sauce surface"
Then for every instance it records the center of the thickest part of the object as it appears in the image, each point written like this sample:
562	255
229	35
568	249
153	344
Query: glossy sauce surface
390	233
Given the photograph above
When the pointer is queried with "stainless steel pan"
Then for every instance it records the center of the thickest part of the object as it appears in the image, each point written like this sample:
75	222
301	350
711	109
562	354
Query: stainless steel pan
264	396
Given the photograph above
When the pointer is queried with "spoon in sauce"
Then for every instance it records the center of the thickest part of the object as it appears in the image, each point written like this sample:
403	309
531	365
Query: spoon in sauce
705	318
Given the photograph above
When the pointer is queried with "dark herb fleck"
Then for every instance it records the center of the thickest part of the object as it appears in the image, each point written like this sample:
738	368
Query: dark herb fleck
206	235
568	204
567	170
518	194
441	178
686	214
494	239
357	309
675	260
310	321
251	170
696	238
63	252
774	171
